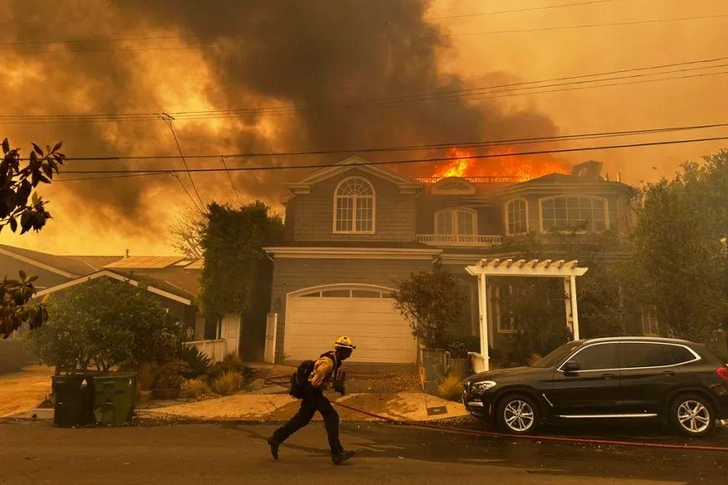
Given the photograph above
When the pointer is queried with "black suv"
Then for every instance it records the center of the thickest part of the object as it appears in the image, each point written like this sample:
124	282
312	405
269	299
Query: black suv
677	381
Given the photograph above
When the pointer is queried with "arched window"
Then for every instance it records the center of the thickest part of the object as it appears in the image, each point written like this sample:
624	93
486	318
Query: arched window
571	213
516	217
354	206
456	222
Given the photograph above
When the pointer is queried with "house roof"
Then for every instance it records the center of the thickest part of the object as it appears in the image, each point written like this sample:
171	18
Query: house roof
156	286
69	266
403	181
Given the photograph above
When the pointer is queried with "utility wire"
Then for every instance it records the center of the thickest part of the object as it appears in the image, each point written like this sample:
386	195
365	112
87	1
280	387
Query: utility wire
405	161
506	142
520	10
168	120
588	26
80	48
515	89
230	178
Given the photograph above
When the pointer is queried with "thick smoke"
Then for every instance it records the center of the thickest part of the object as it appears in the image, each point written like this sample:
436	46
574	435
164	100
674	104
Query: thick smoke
335	59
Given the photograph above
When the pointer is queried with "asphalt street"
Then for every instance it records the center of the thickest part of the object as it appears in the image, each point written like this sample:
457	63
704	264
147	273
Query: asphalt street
37	453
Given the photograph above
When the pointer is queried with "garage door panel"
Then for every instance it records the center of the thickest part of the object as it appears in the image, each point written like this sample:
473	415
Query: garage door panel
357	333
380	332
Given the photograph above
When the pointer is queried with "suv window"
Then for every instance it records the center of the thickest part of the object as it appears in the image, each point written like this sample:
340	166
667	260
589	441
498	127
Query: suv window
680	354
597	357
647	354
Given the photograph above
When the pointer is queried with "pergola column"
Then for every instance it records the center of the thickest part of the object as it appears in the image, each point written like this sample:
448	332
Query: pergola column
533	268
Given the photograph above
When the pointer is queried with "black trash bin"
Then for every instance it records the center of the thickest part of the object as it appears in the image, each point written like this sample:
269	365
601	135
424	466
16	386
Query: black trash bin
74	400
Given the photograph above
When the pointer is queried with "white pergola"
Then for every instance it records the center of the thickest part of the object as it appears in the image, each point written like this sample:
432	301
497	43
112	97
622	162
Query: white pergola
568	270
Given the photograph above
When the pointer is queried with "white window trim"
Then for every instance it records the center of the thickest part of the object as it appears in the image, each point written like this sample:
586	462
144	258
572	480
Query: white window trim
455	210
508	232
374	207
553	197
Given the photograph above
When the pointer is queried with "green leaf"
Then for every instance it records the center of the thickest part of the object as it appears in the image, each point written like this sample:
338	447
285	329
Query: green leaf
23	275
6	146
57	147
13	224
37	149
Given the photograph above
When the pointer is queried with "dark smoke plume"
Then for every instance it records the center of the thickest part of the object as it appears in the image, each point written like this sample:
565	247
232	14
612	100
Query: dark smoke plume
331	57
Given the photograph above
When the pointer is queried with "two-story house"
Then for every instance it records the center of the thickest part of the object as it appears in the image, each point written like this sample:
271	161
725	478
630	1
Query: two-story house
354	230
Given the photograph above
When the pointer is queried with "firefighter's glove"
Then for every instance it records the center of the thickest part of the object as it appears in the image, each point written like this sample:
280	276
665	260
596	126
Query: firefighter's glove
338	383
339	387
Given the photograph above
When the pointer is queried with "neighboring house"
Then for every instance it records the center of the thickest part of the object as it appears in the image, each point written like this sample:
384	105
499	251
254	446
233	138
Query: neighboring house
173	280
353	231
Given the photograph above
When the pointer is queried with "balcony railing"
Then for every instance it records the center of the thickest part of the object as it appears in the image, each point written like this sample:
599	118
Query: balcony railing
474	180
448	240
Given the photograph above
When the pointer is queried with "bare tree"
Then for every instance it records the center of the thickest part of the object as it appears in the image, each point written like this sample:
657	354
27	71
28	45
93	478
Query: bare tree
186	229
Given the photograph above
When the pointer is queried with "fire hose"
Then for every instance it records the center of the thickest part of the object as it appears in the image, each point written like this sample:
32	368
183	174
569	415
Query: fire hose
494	434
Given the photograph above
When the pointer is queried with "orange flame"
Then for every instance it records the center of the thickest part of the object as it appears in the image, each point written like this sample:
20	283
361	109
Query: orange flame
516	167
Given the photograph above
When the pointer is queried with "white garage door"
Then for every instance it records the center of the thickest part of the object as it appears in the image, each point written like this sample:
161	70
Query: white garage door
315	319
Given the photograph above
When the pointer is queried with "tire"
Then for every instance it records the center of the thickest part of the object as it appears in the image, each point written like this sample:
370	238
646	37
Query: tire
517	414
692	415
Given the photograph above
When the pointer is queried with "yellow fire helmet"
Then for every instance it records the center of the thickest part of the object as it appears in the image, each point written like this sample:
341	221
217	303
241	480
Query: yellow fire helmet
344	342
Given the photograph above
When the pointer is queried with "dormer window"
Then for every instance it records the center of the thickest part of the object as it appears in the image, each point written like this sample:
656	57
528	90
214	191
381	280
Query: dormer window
456	222
354	207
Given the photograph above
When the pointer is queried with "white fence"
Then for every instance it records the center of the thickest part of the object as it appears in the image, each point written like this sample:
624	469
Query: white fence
214	349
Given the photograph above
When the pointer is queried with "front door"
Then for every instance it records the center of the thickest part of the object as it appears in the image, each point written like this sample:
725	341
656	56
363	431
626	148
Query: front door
593	389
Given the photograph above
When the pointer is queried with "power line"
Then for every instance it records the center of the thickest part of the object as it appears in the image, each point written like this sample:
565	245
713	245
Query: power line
531	9
464	144
215	43
563	81
587	26
168	120
407	161
230	178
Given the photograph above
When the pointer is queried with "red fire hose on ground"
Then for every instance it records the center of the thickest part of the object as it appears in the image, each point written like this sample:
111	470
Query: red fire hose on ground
493	434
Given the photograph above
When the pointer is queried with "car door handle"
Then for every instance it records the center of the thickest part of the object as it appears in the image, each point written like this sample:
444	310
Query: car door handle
668	373
608	376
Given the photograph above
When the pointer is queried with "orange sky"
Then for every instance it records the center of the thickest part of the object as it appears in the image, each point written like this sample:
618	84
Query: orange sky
174	80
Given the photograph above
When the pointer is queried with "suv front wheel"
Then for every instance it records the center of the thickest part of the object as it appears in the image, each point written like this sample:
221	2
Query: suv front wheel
692	415
517	414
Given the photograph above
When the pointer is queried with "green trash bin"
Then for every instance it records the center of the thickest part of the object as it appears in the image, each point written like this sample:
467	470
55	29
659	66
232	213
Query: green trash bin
115	400
74	397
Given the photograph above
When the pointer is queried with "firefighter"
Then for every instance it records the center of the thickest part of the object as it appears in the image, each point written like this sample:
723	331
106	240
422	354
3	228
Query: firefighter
325	373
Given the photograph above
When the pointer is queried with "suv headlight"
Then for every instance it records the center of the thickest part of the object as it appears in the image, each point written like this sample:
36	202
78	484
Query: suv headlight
483	386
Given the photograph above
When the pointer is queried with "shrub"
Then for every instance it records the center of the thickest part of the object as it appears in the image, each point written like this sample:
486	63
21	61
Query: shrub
171	374
450	388
231	363
533	359
108	323
197	361
195	388
458	350
228	383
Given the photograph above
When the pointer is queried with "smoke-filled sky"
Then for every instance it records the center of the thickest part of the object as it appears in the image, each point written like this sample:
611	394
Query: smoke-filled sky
261	76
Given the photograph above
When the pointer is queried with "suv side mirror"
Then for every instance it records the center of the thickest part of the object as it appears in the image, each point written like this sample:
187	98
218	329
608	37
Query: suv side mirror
572	366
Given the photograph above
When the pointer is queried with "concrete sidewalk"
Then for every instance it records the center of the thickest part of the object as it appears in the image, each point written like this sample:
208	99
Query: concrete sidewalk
21	394
402	406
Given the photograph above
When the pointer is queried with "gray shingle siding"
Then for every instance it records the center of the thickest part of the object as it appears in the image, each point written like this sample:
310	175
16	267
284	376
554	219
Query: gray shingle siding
313	214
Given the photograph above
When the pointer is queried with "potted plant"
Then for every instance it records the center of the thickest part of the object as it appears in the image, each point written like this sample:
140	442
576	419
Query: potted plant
171	377
458	363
